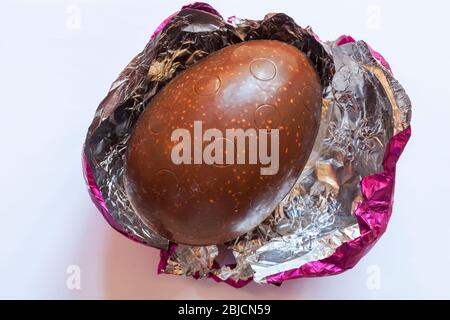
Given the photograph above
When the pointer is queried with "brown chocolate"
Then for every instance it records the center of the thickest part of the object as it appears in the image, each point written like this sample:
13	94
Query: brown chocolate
260	84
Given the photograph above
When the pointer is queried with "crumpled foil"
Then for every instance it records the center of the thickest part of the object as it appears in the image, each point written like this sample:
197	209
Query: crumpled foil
342	201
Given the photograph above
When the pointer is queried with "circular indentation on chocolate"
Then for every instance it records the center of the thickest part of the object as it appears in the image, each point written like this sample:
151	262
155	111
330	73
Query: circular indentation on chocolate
155	123
207	85
308	94
263	69
227	145
165	183
307	91
267	117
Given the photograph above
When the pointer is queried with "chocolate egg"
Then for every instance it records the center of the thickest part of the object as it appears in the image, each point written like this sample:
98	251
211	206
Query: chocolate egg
220	146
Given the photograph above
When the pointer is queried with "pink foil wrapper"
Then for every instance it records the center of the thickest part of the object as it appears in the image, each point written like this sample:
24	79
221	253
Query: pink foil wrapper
372	213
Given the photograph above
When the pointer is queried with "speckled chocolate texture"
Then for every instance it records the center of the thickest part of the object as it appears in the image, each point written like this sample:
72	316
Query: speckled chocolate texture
259	84
190	36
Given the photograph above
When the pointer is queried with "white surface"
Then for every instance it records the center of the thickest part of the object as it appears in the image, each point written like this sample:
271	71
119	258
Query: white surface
55	71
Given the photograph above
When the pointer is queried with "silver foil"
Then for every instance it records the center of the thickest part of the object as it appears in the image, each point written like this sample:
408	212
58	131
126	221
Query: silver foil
363	107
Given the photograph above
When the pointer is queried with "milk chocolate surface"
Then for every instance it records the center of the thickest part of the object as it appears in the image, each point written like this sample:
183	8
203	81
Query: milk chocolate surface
260	84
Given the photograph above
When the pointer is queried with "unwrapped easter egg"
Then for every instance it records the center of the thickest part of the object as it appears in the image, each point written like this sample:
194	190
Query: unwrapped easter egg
218	148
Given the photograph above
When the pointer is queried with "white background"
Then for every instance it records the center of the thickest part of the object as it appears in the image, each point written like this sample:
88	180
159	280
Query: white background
55	67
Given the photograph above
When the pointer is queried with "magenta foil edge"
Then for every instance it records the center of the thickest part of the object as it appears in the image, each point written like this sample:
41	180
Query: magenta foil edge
373	212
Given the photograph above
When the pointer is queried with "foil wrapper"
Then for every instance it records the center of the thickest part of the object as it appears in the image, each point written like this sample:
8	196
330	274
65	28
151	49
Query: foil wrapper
341	203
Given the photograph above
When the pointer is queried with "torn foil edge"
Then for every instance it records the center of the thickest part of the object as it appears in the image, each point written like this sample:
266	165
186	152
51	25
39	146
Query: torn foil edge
318	210
364	107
